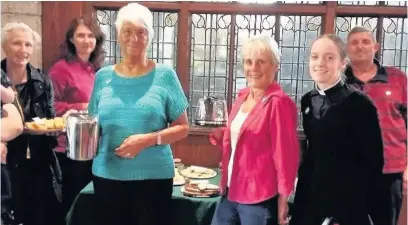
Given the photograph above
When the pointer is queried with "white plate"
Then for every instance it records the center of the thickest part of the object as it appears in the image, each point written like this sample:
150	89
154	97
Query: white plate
198	175
182	189
179	182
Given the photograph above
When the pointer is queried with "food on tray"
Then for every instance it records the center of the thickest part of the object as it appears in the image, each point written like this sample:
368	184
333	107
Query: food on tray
198	172
57	123
178	179
203	189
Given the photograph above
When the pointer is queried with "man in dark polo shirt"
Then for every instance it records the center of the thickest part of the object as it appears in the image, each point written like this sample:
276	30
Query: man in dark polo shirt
387	88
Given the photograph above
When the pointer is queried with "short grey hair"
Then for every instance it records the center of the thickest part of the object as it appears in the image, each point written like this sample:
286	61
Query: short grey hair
361	29
263	42
18	26
135	13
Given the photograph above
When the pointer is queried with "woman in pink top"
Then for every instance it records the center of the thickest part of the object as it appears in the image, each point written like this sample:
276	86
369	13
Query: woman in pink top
260	144
73	77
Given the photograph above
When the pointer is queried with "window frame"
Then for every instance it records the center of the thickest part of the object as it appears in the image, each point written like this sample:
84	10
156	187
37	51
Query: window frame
327	10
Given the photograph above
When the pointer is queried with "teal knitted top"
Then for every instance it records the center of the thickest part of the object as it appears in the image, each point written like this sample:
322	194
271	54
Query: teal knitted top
136	105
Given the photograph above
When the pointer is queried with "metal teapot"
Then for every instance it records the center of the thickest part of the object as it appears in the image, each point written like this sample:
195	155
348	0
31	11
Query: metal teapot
211	111
82	136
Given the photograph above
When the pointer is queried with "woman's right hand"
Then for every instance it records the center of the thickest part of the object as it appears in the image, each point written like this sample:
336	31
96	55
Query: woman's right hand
216	136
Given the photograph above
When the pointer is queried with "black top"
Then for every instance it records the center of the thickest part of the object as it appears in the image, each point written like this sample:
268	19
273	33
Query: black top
344	156
36	98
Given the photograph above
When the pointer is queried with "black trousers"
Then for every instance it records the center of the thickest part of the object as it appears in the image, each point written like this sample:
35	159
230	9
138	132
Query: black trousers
75	176
386	206
6	204
141	202
33	197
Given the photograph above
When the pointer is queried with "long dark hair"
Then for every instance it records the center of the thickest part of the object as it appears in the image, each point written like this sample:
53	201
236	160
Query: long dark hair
68	50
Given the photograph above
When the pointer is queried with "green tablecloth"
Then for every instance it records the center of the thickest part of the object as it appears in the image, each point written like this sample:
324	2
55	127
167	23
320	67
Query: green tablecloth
186	210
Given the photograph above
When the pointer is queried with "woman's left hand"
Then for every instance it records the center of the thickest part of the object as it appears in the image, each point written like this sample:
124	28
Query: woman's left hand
132	146
283	210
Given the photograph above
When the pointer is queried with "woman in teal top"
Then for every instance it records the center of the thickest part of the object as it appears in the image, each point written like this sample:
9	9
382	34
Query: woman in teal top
142	110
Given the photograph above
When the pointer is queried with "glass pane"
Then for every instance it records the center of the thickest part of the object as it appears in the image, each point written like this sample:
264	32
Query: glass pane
296	35
345	24
395	43
396	3
163	47
209	57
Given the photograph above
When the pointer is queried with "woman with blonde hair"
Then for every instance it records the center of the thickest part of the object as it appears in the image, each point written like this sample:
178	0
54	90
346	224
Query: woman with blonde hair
260	144
142	110
34	169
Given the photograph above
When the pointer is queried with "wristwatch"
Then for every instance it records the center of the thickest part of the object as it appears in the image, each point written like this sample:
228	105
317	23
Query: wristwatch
159	140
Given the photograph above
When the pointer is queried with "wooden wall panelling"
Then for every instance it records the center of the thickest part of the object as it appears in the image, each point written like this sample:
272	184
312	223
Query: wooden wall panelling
55	20
197	150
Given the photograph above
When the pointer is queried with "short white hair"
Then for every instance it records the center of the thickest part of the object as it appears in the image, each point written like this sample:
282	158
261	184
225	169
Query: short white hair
263	43
18	26
135	13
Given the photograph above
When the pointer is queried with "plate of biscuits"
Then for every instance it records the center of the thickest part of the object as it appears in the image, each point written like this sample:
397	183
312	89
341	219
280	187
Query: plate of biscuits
198	172
44	126
200	190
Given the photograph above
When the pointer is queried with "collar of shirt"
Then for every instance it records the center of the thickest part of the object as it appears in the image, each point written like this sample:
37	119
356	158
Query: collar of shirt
380	76
322	91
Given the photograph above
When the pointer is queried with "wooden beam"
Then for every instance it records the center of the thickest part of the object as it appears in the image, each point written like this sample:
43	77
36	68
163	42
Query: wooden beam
231	57
330	18
183	47
154	6
372	10
239	8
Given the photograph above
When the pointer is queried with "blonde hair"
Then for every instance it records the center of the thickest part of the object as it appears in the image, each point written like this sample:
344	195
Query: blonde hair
263	43
18	26
135	13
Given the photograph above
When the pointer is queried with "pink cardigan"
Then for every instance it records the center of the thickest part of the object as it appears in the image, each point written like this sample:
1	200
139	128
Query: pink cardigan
267	153
73	84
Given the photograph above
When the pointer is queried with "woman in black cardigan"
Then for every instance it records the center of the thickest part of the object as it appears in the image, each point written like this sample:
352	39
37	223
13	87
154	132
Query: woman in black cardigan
344	155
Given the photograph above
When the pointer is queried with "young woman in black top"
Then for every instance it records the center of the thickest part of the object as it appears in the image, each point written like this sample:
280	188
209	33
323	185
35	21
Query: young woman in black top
344	156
